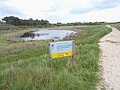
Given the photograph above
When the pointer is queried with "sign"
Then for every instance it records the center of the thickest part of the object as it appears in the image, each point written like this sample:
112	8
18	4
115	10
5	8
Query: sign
61	49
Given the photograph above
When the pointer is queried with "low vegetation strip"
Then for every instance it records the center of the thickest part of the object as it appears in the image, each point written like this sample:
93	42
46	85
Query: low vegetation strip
117	25
29	69
4	26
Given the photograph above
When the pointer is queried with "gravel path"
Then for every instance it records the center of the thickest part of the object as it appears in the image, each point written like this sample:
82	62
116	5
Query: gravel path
110	60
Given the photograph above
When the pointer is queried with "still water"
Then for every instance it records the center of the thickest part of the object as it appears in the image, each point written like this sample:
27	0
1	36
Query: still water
46	35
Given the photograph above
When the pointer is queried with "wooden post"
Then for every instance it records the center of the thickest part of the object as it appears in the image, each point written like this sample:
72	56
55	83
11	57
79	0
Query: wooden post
50	55
73	56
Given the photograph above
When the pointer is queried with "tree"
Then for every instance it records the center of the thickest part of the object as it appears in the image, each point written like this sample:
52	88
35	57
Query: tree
24	22
12	20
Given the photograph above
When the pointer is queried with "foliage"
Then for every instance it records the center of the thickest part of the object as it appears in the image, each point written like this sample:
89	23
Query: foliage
29	68
85	23
117	25
4	26
20	22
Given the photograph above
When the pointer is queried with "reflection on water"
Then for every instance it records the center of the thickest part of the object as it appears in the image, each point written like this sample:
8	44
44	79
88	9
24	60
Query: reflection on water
46	35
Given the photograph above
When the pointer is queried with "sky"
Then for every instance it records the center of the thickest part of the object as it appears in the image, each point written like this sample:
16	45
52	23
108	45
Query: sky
64	11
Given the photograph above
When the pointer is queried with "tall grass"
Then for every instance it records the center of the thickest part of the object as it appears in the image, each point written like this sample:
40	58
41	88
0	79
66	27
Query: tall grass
117	25
30	69
4	26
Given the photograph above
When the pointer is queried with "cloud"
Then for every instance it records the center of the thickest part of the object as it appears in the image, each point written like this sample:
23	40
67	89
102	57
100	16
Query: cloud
96	5
81	10
49	10
58	10
7	10
107	4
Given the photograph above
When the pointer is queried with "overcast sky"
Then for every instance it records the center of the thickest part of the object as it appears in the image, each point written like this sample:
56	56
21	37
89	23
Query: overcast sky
62	10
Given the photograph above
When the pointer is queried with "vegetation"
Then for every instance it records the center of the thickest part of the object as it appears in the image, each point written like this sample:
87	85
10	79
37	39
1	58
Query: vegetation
26	65
20	22
30	22
86	23
4	26
117	25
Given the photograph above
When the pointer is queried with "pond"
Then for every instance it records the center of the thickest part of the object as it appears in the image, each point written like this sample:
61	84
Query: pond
47	34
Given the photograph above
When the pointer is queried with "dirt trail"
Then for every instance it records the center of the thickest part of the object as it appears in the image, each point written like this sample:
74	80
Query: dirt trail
110	59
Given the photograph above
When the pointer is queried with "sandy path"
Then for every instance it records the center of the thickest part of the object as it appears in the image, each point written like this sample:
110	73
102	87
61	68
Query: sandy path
110	59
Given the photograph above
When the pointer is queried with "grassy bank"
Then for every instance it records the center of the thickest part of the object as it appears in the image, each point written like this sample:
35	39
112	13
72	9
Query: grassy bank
116	25
25	65
4	26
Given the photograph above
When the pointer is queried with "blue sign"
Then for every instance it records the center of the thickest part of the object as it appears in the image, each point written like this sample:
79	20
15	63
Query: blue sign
61	49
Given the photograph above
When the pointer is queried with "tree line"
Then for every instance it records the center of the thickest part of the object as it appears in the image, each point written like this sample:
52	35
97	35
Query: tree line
24	22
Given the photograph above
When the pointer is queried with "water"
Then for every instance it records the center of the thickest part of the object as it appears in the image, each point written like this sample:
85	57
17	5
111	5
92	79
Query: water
47	35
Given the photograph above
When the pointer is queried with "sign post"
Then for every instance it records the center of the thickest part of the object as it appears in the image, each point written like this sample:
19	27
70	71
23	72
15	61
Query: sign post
73	56
62	49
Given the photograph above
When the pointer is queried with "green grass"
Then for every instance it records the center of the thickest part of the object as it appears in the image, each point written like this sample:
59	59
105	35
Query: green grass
117	25
28	68
4	26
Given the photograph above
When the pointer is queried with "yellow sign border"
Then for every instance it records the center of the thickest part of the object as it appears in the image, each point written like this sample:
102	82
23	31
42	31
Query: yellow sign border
62	54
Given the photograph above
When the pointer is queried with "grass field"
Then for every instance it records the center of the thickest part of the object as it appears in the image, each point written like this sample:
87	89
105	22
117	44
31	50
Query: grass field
26	65
4	26
116	25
